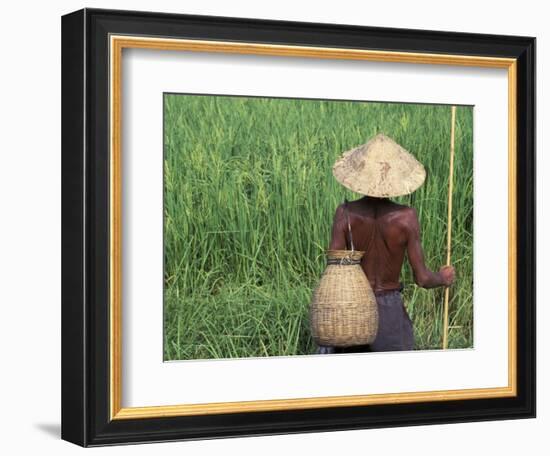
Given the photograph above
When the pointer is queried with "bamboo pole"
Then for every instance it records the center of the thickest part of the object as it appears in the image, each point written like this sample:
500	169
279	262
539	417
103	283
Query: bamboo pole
449	226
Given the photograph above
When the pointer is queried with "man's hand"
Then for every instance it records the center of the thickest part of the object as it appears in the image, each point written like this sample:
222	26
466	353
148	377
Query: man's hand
447	275
423	276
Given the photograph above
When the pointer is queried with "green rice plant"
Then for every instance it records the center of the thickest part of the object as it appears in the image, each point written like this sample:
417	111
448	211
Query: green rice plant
249	200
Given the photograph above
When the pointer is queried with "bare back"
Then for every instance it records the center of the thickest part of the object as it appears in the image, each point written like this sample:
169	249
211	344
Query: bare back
381	228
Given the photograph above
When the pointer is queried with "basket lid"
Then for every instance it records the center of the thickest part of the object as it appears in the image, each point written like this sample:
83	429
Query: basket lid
354	255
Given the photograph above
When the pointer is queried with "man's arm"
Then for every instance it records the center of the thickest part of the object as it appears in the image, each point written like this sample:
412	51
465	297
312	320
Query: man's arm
338	237
423	276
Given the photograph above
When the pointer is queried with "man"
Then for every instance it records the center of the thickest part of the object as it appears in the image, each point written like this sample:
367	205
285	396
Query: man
386	231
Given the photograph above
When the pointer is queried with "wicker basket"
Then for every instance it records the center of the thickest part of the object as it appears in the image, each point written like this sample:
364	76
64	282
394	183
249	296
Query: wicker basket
343	310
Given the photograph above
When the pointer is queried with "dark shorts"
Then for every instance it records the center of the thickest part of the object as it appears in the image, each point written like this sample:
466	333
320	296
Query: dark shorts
395	329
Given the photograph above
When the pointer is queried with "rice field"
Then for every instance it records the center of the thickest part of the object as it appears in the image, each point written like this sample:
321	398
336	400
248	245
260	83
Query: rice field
249	199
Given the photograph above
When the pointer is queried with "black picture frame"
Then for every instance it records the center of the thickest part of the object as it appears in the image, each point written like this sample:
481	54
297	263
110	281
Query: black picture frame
85	228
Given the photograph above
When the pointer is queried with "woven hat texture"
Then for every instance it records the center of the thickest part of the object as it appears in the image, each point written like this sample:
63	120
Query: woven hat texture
379	168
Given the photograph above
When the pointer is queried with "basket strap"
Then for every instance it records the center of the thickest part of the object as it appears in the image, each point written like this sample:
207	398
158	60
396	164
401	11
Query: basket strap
349	225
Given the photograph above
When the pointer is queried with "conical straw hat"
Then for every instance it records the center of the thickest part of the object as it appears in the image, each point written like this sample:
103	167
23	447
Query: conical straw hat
379	168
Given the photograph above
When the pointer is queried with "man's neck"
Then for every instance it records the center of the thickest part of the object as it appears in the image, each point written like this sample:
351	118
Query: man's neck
373	200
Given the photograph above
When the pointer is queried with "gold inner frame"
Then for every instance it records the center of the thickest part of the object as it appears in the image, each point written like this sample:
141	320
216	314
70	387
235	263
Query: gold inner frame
117	44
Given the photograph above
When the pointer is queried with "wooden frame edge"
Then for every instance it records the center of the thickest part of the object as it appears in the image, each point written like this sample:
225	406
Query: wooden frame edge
116	45
164	411
512	227
115	230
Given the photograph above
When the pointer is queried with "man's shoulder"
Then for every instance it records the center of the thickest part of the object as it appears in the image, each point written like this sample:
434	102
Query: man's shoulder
397	212
404	210
405	214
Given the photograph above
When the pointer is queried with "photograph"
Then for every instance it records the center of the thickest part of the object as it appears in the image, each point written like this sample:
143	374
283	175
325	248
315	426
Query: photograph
316	226
275	227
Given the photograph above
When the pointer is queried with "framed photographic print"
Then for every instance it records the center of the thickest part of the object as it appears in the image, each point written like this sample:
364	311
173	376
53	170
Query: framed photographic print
280	227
